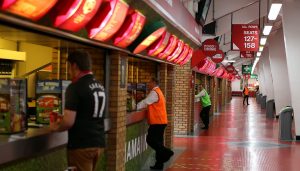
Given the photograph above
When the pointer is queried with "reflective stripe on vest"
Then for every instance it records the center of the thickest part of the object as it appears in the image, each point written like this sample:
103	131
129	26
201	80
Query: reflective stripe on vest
157	113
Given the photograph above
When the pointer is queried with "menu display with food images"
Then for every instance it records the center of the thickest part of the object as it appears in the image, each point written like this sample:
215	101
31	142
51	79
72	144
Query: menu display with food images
12	105
49	100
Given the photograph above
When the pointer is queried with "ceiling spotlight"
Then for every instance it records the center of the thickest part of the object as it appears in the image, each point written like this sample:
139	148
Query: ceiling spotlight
274	11
267	29
261	48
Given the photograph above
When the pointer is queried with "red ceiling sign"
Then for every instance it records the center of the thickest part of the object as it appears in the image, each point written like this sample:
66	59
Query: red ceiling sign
149	40
188	57
159	45
32	9
183	54
247	54
210	47
230	68
177	51
150	33
218	57
108	20
170	47
131	29
73	15
245	37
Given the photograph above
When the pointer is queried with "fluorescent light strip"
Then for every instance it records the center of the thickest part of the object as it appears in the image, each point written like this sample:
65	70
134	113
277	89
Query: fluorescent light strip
263	40
274	11
258	54
254	65
267	30
261	48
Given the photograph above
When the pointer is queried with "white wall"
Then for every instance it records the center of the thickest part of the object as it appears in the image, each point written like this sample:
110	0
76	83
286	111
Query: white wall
291	24
236	85
268	79
279	71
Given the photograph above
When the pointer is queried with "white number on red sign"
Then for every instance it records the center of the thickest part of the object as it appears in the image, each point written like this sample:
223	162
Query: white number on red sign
249	45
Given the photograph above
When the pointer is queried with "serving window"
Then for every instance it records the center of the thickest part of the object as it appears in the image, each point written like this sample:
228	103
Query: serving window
139	73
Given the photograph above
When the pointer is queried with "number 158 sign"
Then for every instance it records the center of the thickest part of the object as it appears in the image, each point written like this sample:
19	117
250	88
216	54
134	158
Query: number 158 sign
245	37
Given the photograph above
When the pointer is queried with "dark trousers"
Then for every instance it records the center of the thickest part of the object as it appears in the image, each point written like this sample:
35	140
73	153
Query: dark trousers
204	114
155	139
246	97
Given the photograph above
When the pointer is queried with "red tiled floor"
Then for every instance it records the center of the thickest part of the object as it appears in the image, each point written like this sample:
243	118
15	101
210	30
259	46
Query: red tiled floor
240	138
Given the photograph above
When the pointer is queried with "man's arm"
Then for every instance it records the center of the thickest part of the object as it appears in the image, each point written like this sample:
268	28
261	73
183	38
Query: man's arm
151	98
201	94
67	122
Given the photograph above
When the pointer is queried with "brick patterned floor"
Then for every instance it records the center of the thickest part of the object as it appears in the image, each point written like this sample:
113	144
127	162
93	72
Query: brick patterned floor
241	138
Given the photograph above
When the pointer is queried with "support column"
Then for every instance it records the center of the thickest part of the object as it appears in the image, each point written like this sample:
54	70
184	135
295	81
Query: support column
170	105
291	23
267	75
117	110
279	71
182	96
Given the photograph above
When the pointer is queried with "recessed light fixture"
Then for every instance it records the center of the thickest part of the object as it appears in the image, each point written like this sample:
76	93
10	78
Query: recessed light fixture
274	11
267	29
258	54
261	48
263	41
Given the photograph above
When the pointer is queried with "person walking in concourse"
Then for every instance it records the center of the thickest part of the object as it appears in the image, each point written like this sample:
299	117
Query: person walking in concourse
206	104
157	120
83	114
246	94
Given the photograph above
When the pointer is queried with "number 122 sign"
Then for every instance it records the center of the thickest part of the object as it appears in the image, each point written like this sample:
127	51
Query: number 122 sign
245	37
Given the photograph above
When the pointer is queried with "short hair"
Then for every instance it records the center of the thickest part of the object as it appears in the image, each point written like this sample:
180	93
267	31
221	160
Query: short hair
81	58
153	79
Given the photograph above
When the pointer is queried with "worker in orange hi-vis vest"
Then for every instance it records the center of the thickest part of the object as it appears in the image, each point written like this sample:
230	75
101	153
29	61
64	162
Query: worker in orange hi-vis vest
246	94
157	119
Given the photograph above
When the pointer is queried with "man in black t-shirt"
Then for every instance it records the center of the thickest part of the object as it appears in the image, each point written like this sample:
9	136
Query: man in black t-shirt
83	114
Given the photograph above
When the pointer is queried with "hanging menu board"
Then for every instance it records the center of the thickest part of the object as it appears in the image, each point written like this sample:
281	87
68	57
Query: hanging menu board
245	37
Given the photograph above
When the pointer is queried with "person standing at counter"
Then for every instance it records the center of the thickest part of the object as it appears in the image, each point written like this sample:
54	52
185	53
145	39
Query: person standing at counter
83	114
157	119
206	104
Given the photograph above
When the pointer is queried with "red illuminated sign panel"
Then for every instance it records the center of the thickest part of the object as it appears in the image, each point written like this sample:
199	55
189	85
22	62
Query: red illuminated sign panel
73	15
210	47
149	40
177	51
170	47
159	45
247	54
218	57
245	37
108	20
183	54
188	57
130	30
230	68
32	9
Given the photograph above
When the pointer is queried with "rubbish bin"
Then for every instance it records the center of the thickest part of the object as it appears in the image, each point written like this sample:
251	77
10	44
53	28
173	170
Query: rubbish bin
263	102
270	108
285	123
259	98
